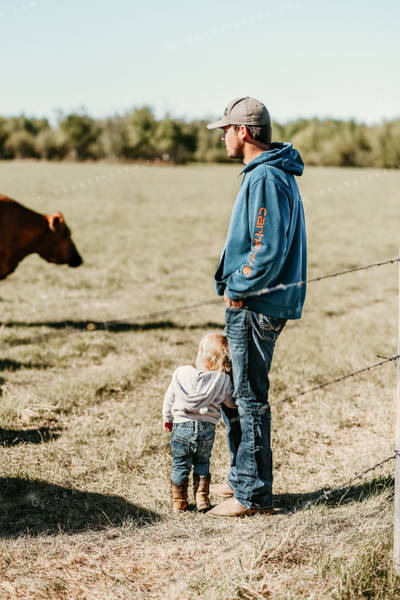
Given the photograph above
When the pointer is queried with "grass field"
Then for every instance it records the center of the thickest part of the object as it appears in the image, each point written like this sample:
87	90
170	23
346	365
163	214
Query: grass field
84	490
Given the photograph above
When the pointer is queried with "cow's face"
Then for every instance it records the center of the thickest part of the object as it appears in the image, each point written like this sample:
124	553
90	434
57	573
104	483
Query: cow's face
58	246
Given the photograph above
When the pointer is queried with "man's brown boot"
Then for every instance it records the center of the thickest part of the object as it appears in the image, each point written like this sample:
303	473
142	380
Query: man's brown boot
201	489
179	496
233	508
221	489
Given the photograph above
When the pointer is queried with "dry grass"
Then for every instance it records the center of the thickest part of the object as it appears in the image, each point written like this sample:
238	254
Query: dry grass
84	506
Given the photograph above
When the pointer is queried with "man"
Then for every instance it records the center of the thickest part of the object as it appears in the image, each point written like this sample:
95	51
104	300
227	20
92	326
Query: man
265	247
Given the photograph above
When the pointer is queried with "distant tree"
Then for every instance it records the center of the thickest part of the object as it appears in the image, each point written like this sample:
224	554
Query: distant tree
385	144
51	145
81	136
175	140
141	127
307	140
290	129
278	132
18	136
333	142
36	126
3	137
114	137
209	147
20	144
31	125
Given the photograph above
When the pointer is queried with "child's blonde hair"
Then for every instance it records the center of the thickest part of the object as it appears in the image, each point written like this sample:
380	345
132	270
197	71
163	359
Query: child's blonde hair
214	349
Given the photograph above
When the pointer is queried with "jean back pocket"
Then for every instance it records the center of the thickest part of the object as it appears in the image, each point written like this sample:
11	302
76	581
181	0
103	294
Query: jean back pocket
271	327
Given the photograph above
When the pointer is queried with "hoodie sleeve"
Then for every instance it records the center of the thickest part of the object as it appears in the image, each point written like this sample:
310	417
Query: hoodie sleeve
229	392
168	402
268	221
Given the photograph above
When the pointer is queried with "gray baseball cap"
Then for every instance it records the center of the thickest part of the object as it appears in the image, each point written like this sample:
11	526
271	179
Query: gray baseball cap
243	111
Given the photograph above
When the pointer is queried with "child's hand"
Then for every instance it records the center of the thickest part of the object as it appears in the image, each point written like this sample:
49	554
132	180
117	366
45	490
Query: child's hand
168	427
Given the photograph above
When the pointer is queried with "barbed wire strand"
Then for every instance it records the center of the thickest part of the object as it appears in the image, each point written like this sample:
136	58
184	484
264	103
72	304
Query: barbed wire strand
338	379
285	286
265	407
326	494
267	290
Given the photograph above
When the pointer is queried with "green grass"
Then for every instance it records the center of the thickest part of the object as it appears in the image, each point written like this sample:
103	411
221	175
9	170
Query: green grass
84	506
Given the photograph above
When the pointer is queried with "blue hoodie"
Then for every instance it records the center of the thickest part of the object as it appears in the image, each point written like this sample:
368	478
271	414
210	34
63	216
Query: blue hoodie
266	241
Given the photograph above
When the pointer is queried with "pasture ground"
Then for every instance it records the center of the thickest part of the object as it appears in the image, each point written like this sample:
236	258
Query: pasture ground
84	505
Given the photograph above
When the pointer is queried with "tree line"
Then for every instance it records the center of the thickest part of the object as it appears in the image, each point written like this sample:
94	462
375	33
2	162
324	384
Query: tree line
138	135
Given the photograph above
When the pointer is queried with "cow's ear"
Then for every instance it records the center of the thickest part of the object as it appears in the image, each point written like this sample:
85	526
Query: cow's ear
55	221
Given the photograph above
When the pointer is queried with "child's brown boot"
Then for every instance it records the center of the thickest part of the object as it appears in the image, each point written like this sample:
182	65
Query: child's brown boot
201	489
179	496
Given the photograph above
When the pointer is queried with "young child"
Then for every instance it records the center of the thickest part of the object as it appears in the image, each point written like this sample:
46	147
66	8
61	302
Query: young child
191	410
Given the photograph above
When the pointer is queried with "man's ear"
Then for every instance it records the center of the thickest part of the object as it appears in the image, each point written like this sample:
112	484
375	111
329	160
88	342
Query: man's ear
244	132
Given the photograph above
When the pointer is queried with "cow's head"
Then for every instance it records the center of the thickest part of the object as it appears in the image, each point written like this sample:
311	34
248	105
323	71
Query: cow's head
57	246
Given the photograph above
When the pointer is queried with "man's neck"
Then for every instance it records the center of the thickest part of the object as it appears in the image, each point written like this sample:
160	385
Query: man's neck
253	150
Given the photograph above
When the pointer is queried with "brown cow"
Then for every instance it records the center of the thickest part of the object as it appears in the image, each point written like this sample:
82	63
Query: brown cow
24	231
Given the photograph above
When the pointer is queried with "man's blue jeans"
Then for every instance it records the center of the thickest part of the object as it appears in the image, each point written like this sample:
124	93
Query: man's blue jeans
252	338
191	444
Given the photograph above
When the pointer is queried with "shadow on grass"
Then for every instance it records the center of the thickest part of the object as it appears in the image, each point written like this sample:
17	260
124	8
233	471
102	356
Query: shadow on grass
15	437
114	326
353	493
13	365
66	328
31	507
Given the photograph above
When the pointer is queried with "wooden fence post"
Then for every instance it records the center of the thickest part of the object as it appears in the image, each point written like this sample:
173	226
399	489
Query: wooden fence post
396	540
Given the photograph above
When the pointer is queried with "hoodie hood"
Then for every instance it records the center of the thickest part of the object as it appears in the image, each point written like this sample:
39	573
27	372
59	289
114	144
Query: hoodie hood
196	390
282	155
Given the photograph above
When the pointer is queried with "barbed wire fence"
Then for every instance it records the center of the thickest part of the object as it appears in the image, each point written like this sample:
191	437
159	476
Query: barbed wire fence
327	494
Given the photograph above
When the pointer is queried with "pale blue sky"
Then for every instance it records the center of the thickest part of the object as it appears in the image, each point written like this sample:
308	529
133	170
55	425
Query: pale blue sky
306	58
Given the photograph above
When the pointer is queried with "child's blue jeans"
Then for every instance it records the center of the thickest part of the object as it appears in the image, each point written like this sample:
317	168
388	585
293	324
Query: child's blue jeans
191	444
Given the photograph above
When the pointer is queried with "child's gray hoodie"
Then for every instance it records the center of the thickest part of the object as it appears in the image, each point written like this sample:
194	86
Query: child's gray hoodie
195	395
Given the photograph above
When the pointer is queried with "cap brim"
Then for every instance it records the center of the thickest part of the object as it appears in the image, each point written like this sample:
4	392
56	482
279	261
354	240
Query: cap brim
218	124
